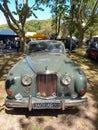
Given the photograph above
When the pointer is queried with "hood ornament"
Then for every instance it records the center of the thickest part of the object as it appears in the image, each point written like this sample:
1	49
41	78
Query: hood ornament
46	68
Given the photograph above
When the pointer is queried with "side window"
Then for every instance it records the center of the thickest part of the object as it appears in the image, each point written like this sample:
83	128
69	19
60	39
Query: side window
93	45
96	45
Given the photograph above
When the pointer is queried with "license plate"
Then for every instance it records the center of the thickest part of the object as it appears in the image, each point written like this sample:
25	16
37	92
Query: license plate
47	105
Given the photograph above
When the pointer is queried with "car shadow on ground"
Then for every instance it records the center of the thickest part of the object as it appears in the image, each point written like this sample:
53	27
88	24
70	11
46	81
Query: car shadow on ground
46	112
90	68
6	62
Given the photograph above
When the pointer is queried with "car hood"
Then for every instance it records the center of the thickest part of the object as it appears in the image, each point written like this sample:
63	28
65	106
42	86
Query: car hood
42	62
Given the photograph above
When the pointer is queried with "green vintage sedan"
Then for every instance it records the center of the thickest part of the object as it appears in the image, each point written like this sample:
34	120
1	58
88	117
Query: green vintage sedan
45	79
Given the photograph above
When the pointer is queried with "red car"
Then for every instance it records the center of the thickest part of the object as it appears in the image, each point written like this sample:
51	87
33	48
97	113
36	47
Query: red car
92	51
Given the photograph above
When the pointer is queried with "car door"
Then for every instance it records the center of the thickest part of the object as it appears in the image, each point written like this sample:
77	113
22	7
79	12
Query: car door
94	50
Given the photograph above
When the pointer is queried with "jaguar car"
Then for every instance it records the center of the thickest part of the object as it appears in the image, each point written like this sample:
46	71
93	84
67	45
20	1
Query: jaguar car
45	79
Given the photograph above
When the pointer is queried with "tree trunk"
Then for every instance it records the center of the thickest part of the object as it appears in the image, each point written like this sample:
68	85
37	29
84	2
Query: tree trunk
59	25
81	31
22	39
22	44
81	34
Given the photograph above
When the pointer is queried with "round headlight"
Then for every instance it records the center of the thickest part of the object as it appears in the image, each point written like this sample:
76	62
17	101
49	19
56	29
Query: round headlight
26	80
66	80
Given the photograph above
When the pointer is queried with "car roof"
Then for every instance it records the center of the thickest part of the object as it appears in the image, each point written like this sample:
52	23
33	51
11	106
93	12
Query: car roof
45	41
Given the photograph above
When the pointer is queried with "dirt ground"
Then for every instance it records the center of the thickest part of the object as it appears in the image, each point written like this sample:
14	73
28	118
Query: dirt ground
81	118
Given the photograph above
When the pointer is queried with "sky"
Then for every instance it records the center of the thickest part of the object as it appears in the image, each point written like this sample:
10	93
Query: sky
40	14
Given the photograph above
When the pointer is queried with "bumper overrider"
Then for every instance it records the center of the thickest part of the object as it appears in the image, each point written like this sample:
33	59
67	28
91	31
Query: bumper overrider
35	103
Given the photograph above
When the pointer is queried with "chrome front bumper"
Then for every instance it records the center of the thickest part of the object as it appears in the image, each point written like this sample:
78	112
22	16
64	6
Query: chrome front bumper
31	102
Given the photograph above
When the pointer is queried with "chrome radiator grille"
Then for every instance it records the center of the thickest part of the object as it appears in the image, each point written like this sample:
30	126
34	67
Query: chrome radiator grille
46	84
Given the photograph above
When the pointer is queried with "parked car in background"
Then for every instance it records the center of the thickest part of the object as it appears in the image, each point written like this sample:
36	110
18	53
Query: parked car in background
45	79
92	51
91	40
69	43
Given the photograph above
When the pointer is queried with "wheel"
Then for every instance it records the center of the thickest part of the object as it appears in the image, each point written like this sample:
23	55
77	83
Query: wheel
88	54
97	58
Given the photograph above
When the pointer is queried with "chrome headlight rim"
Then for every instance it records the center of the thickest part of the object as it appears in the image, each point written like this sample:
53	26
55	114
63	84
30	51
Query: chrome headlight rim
26	80
66	79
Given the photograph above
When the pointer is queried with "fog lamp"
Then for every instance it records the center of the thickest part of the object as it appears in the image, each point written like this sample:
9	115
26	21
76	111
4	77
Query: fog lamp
74	95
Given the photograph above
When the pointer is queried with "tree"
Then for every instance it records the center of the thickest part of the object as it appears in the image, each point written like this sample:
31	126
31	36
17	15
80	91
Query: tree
93	30
34	25
58	9
82	15
23	11
85	15
46	28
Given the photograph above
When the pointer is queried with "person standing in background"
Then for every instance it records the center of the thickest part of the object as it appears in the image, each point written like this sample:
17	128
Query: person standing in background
17	44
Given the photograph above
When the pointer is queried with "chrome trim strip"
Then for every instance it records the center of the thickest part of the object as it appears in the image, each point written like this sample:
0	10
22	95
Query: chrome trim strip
30	64
46	98
47	72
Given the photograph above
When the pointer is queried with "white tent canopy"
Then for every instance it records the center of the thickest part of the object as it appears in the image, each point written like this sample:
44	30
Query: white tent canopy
30	34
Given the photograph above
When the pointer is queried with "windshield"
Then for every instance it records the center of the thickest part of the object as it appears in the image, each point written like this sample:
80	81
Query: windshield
96	44
46	47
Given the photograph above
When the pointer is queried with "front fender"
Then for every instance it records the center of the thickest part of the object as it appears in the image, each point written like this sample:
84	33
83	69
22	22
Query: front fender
81	85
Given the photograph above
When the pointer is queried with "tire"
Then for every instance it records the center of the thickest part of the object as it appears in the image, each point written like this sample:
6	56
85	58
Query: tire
97	58
88	54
